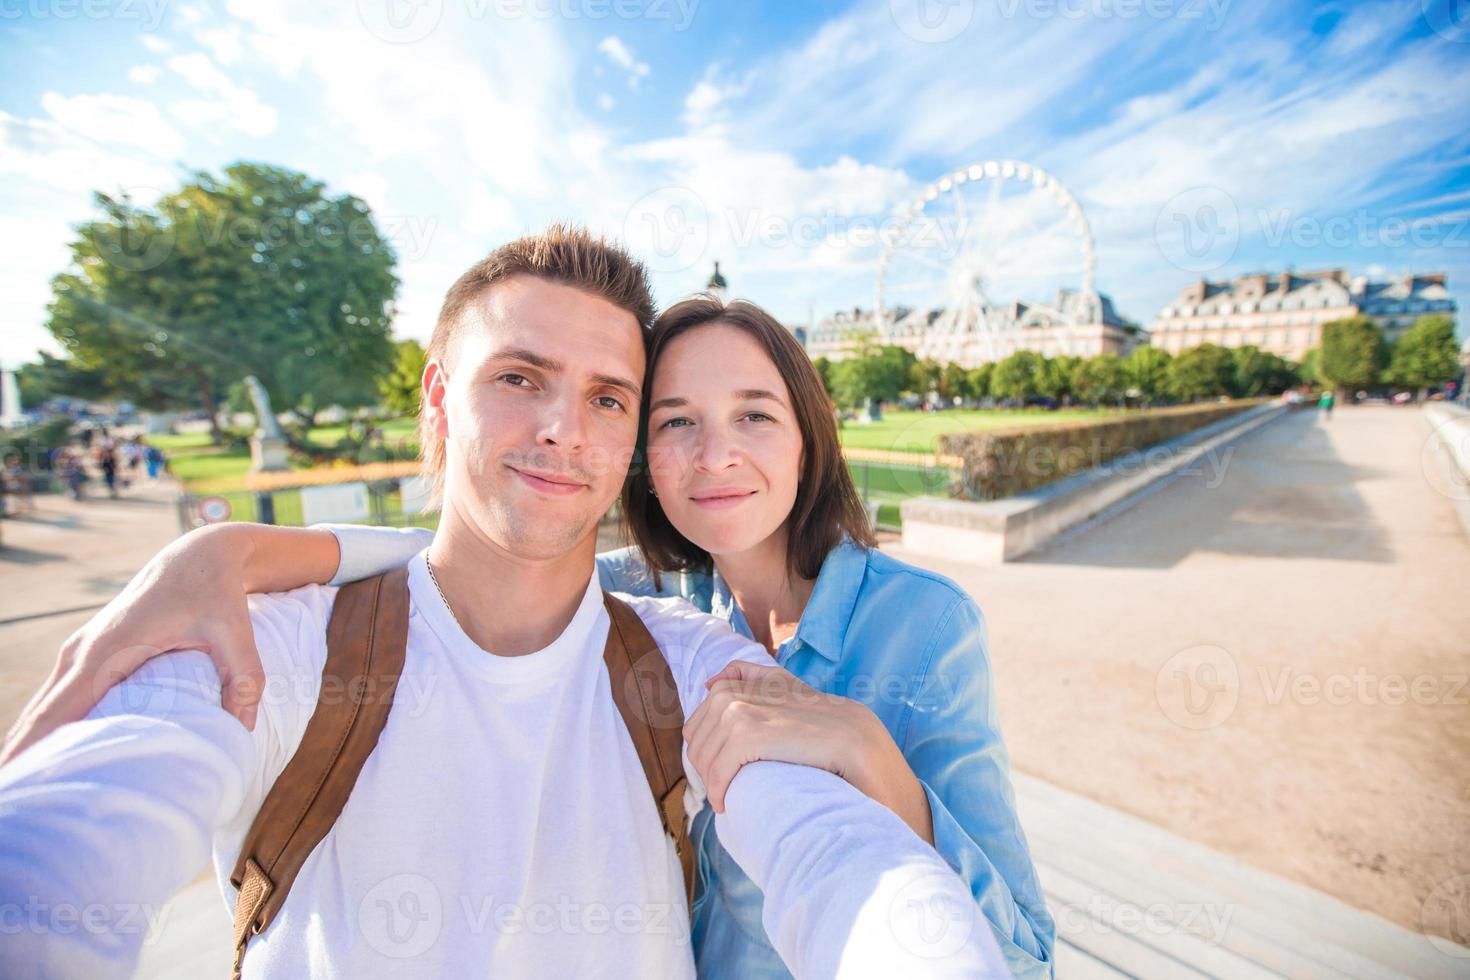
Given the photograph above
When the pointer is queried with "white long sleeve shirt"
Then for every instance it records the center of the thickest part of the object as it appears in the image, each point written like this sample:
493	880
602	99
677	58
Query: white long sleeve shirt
502	827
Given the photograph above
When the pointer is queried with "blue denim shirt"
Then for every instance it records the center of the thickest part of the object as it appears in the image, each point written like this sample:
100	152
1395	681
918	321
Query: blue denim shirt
911	645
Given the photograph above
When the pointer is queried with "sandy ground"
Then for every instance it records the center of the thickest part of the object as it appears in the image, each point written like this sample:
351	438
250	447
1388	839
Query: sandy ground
1274	664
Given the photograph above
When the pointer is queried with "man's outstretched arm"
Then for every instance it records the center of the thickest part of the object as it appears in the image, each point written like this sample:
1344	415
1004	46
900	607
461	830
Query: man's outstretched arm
850	890
102	822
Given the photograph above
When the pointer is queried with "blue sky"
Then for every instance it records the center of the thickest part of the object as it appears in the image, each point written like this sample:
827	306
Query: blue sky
1201	137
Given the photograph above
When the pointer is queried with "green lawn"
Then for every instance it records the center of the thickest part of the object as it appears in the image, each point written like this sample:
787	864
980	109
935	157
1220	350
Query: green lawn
917	432
205	469
171	443
209	471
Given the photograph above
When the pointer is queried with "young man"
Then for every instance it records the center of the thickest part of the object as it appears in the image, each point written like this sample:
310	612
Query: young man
503	824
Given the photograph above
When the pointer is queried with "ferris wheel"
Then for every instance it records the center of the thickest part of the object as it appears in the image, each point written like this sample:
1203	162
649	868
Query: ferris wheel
980	255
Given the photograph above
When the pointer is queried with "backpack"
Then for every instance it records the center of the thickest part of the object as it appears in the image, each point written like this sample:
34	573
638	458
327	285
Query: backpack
367	641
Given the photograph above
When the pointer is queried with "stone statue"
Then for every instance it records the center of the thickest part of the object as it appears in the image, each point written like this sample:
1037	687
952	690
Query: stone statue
268	445
266	425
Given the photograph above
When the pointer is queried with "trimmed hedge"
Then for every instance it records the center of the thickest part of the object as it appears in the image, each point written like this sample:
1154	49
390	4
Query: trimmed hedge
1003	462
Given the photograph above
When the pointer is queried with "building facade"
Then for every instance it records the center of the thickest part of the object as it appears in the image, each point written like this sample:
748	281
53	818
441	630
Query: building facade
1068	326
1284	313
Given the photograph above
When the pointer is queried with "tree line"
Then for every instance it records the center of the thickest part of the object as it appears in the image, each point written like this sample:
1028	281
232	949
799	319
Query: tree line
1354	354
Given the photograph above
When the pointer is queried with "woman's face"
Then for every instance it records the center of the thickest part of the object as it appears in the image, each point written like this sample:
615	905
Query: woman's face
725	451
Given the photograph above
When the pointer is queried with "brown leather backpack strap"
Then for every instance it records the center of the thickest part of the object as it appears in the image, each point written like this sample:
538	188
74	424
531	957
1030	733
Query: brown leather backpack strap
648	699
367	641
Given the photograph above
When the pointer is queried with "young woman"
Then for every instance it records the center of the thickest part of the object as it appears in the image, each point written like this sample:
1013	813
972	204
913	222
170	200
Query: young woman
747	510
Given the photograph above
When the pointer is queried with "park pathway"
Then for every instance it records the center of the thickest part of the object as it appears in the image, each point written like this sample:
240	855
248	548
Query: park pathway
61	562
1268	658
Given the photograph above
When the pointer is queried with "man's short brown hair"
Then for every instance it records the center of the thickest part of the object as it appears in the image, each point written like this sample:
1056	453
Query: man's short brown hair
565	254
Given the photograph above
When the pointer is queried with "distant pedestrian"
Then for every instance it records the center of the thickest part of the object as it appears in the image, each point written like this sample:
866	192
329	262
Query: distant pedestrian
133	455
153	459
107	459
1325	404
73	474
18	484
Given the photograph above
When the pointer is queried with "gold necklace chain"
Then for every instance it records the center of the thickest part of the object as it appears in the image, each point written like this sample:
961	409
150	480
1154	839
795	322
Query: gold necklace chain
435	579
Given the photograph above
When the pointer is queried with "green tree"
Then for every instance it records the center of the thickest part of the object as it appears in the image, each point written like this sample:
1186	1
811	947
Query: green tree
1426	355
824	371
1056	376
877	373
1353	353
1309	367
1018	376
977	380
1100	379
924	376
1201	372
1259	372
1146	371
400	387
954	382
51	377
256	271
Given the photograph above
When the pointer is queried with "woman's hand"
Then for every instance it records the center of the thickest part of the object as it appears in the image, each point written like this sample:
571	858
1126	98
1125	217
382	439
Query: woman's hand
755	712
191	595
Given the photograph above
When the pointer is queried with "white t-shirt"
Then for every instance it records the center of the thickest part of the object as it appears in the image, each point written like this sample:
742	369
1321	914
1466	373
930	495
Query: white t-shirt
502	827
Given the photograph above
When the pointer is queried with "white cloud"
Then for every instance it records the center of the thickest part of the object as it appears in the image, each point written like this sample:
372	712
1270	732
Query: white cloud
371	186
605	102
227	104
617	52
225	43
156	44
118	119
49	155
144	74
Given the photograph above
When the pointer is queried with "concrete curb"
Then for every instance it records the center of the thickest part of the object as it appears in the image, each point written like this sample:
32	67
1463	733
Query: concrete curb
993	532
1449	440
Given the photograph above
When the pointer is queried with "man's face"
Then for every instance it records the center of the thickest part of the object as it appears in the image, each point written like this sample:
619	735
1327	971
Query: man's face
539	411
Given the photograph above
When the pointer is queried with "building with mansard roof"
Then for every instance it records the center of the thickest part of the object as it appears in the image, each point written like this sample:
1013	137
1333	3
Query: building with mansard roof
1283	313
1068	326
